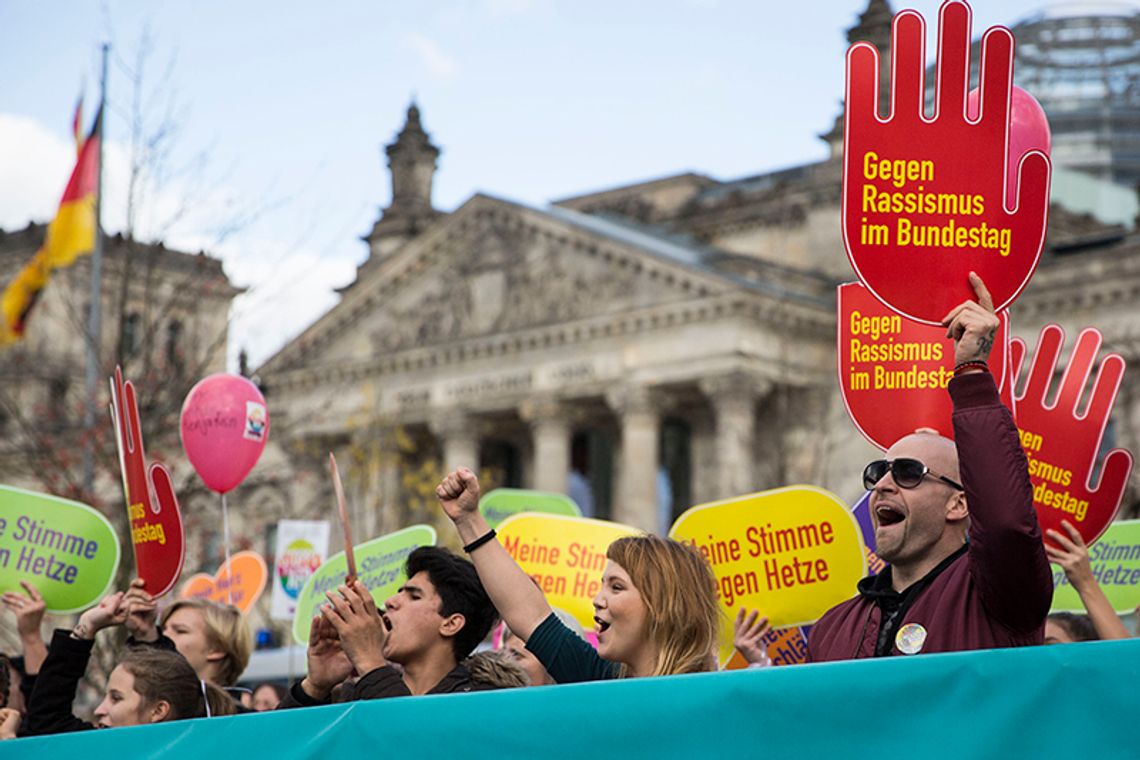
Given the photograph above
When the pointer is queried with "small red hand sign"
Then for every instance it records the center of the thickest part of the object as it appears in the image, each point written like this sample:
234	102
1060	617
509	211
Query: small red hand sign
924	199
1062	445
152	507
893	372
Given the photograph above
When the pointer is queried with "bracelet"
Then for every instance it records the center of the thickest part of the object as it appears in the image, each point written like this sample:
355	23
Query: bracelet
978	364
479	541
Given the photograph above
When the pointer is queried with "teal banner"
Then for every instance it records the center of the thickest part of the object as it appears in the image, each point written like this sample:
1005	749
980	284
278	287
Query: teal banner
999	703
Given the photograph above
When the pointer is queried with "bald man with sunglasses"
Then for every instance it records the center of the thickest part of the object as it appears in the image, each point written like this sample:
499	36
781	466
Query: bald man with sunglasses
955	521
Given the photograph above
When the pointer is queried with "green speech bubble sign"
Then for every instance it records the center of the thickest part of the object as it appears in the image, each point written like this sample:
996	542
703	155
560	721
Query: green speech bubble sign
1115	561
502	503
67	550
379	565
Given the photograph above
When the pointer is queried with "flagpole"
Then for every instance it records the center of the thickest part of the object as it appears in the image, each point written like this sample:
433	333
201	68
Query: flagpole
95	312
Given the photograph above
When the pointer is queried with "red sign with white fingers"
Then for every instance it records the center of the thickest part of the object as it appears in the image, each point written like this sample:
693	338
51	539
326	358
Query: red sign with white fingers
924	199
1062	439
893	371
152	507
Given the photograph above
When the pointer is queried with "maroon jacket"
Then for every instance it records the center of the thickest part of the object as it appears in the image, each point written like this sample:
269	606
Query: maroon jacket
997	592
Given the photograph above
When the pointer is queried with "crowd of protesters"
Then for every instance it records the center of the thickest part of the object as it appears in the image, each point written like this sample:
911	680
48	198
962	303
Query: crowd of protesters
954	520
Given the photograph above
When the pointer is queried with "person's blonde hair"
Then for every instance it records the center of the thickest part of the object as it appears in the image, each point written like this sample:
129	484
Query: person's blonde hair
226	631
679	591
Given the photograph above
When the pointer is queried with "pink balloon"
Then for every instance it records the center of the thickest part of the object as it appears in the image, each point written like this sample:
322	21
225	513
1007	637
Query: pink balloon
1028	130
225	424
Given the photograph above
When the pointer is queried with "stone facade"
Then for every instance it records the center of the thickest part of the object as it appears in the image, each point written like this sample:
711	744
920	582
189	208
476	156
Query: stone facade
671	340
165	316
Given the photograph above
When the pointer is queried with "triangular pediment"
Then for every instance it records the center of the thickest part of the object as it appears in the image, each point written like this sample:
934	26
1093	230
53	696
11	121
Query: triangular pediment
496	267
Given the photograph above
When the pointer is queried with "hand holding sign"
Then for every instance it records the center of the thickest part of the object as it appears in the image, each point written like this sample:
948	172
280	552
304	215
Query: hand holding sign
359	626
923	200
142	612
156	522
1061	446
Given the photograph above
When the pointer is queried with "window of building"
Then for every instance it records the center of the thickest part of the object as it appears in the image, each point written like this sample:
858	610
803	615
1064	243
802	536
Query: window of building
132	334
175	351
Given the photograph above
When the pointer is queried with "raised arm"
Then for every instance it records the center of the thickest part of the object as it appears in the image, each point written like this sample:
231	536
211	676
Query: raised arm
49	709
1073	557
520	603
29	612
1007	559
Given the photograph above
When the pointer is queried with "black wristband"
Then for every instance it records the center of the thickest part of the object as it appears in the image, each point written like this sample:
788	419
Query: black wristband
479	541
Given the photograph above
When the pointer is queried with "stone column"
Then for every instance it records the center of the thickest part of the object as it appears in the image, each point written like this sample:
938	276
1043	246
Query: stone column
704	460
550	428
637	471
459	435
392	511
733	398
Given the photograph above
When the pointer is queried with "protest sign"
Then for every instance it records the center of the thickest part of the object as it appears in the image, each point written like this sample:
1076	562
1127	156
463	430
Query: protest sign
152	507
240	583
564	555
793	553
1062	445
893	371
785	646
67	550
862	514
379	563
924	200
1115	561
501	503
302	546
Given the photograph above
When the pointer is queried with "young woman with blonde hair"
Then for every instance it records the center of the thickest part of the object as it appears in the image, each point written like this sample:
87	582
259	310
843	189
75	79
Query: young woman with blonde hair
656	613
214	638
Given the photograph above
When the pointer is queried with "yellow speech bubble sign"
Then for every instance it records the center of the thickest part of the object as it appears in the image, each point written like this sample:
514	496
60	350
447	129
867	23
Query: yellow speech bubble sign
793	553
564	555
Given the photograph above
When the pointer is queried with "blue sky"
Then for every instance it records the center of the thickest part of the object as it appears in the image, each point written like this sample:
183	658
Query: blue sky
284	108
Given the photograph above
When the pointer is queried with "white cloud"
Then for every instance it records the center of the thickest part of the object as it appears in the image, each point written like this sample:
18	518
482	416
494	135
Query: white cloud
289	289
34	166
432	56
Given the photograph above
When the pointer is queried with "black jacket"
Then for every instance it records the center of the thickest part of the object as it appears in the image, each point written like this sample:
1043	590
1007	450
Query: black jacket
384	682
49	708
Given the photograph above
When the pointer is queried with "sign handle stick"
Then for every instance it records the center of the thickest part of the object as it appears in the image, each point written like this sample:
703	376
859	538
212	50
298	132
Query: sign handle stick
342	510
226	547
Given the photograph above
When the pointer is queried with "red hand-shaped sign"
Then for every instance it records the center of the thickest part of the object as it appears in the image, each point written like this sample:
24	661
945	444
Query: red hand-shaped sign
1062	446
924	199
893	372
152	507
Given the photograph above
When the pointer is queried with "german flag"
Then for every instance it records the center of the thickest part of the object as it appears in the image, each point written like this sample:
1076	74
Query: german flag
70	235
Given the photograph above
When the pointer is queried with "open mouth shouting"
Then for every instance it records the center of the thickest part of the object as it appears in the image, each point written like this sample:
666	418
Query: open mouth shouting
601	625
888	515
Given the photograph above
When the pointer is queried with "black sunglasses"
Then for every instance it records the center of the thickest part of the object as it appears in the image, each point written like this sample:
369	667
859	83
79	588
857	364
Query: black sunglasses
907	473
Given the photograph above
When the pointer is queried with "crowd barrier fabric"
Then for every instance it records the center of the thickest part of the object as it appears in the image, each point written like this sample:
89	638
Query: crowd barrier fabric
1031	702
